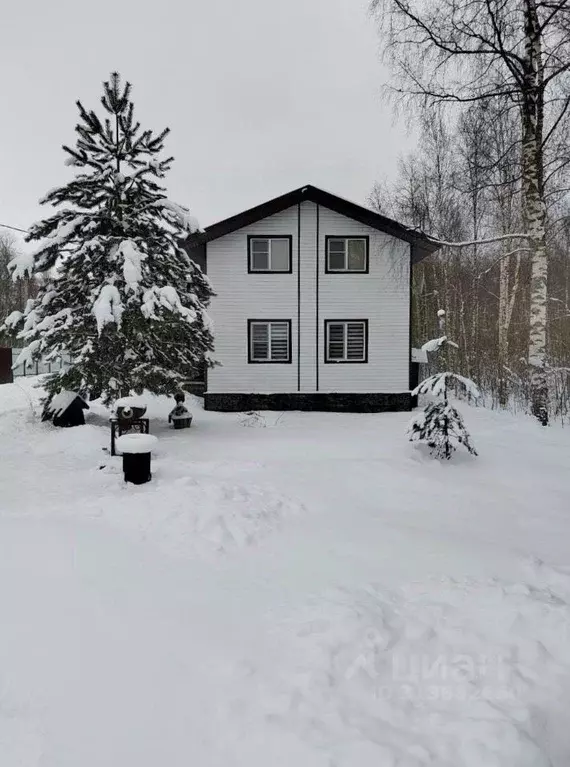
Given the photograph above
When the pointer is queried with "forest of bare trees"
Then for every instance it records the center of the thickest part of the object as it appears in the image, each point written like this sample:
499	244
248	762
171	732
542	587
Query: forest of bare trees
13	295
489	82
484	288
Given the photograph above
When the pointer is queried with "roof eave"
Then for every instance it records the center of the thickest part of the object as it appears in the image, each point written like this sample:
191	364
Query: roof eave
422	245
423	248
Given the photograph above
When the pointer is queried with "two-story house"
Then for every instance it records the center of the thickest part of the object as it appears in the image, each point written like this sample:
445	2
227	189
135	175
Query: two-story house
312	308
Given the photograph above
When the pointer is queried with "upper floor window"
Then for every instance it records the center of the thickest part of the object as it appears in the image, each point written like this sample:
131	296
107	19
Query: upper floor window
269	340
269	254
346	254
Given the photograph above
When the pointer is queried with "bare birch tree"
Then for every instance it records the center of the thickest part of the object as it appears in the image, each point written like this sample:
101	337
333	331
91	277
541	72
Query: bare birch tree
462	52
12	295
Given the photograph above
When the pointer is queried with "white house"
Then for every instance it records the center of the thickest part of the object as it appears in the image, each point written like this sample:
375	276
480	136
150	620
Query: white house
313	308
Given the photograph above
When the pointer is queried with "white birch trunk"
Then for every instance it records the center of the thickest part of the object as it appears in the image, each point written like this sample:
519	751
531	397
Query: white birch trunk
534	210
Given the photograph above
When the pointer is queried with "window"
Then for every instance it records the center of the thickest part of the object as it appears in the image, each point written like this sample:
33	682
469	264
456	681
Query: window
269	254
269	340
347	254
346	340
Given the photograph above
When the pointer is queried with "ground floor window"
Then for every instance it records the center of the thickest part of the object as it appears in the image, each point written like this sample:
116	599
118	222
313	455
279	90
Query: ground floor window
269	340
346	340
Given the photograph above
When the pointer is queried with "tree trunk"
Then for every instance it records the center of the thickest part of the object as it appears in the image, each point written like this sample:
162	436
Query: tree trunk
534	209
507	295
503	336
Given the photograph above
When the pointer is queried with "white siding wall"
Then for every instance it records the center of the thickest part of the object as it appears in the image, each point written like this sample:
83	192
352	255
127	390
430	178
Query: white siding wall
308	293
242	296
382	297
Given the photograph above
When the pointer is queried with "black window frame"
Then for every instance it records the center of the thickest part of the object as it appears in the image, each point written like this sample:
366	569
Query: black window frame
280	320
364	237
346	361
251	237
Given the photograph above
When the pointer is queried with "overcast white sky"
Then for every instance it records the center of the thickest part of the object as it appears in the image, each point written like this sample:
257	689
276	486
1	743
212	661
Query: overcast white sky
262	96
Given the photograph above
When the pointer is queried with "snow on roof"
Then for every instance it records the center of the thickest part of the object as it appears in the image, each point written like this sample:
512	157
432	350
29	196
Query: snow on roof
61	401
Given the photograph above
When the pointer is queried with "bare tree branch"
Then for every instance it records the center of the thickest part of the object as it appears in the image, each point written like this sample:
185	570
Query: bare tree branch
485	241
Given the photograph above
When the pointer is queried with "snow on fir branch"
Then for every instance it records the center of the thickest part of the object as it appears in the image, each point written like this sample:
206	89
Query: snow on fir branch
27	355
21	266
132	263
108	307
185	219
13	320
439	384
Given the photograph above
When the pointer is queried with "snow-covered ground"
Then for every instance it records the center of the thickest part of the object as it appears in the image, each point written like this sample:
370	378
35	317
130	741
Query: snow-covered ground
312	592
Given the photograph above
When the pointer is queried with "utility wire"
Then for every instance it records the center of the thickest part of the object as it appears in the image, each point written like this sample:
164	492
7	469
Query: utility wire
15	228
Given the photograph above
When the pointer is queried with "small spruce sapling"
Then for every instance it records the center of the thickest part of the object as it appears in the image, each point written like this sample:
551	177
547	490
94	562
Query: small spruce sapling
440	425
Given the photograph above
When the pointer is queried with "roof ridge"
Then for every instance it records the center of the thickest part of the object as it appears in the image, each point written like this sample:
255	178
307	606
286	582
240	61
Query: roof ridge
423	245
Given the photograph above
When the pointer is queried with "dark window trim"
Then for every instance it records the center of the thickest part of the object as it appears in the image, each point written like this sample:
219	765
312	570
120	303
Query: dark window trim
365	237
346	362
251	237
269	362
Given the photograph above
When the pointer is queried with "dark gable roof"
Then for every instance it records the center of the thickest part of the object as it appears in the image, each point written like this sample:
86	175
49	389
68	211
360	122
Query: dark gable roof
422	245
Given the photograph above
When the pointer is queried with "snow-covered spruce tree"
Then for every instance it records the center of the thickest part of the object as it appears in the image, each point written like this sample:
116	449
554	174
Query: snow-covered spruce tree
119	295
440	425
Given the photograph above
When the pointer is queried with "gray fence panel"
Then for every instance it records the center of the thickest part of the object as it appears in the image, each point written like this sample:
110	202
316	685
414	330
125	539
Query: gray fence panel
39	367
